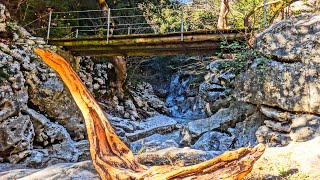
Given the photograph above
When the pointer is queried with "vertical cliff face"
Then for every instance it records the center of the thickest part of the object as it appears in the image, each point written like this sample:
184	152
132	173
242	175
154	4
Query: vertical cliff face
30	90
285	83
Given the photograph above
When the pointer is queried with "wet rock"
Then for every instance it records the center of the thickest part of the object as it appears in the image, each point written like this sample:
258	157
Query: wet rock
223	119
292	40
158	124
16	136
153	143
214	141
182	156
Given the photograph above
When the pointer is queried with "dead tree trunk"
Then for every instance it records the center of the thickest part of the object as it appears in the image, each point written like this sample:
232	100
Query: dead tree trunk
120	68
118	62
224	10
113	159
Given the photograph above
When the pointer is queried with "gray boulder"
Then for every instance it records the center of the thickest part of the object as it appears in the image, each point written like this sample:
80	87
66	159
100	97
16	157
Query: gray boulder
272	138
57	143
245	131
81	170
305	127
214	141
152	143
292	40
289	86
16	137
158	124
178	156
286	127
47	94
223	119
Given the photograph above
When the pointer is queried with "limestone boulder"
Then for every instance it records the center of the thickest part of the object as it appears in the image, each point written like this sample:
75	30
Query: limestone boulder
144	98
305	127
3	17
153	143
52	97
54	143
178	156
292	40
223	119
288	86
281	127
16	138
158	124
81	170
214	141
245	131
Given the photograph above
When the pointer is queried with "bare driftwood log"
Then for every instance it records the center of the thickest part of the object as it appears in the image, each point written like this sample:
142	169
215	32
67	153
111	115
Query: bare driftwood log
114	160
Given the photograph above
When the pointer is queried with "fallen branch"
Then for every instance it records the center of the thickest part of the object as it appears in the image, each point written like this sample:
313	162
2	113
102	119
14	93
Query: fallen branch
114	160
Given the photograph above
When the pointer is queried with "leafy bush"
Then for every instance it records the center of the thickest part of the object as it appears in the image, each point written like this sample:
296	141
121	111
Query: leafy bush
244	55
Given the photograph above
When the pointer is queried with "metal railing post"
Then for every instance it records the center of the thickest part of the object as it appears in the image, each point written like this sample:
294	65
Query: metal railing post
182	20
108	29
77	33
129	30
49	25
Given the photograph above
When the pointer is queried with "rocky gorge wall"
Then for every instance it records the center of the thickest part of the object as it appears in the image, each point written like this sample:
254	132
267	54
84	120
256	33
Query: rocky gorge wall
285	84
274	101
39	122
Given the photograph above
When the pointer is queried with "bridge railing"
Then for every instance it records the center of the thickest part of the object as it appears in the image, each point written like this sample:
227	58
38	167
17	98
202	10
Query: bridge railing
144	19
127	21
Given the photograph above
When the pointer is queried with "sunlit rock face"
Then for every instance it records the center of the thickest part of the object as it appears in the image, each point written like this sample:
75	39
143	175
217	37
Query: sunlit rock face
292	40
290	78
289	86
285	83
281	127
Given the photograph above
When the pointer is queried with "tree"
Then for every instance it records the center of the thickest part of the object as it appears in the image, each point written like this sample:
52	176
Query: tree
224	10
119	63
113	160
